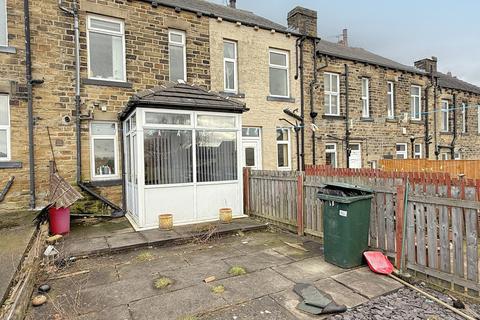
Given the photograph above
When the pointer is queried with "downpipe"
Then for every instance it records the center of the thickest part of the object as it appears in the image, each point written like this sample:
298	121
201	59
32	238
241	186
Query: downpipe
313	114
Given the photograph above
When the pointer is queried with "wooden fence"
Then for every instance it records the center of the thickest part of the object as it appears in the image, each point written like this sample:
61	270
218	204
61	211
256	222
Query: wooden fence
441	217
468	168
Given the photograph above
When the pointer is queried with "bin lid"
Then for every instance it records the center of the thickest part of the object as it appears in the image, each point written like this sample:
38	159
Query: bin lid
341	185
343	192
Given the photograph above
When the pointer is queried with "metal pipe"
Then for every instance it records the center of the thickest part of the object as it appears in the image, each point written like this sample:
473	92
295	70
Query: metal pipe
122	154
313	114
28	75
452	144
347	125
437	153
302	105
6	188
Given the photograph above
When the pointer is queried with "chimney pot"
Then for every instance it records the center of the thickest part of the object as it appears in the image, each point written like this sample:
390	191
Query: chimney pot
344	40
427	64
232	3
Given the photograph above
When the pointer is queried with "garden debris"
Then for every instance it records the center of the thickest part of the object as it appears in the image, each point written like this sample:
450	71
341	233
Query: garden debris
209	279
68	275
39	300
54	239
237	271
206	233
44	288
218	289
51	254
316	301
162	282
296	246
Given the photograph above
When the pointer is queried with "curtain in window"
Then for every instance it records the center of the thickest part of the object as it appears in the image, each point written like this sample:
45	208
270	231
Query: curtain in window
3	23
177	64
216	156
168	156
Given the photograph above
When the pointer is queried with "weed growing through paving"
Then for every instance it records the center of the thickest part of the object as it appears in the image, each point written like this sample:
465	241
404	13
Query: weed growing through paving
162	282
218	289
237	271
145	256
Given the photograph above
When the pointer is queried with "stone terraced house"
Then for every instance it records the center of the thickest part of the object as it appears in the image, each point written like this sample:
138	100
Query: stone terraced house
172	98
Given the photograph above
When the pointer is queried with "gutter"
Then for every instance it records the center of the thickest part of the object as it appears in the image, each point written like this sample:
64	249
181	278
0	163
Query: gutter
302	106
74	12
426	140
347	119
452	144
313	84
435	94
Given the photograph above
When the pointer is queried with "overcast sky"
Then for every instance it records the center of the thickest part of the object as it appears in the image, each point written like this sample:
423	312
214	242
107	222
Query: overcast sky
402	30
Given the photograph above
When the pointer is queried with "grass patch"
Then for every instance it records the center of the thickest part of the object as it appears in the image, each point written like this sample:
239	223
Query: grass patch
162	282
237	271
218	289
145	256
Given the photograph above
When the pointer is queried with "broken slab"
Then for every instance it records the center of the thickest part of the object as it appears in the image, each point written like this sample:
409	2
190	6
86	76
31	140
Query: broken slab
368	283
340	293
311	269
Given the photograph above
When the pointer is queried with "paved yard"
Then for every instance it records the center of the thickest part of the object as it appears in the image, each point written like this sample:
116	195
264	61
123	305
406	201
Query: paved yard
121	286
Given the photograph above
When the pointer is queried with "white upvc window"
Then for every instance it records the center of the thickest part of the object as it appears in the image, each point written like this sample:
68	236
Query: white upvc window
390	100
444	156
401	150
365	98
3	24
457	155
283	149
417	151
104	150
177	56
464	117
4	128
416	102
278	73
331	154
331	93
444	118
106	48
230	66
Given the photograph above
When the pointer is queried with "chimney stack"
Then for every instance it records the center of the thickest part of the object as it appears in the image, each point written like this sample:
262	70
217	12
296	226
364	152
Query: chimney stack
304	20
427	64
344	40
232	3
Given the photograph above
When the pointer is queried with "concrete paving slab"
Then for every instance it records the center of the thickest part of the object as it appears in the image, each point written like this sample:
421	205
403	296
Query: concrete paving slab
136	268
311	269
158	237
261	308
289	300
253	285
211	253
125	241
94	228
296	254
89	246
260	260
340	293
367	283
117	313
177	304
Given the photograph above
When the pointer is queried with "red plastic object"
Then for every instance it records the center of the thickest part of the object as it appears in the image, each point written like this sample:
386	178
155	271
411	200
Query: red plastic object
59	220
378	262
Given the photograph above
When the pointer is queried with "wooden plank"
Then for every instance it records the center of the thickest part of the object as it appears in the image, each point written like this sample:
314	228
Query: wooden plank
432	235
444	239
471	222
380	197
457	233
373	224
410	233
300	226
390	221
467	204
420	226
399	224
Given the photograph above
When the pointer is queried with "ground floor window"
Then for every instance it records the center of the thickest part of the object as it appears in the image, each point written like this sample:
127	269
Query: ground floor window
283	148
104	150
401	150
216	156
457	155
251	143
417	152
331	154
4	128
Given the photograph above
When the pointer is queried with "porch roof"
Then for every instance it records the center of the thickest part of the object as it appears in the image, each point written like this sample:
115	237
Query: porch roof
182	96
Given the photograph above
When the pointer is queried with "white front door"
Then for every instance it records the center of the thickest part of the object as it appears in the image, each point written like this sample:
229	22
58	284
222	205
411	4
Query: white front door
355	159
252	154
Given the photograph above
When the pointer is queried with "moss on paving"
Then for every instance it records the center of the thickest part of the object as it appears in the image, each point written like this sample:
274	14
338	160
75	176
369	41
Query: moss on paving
162	282
144	256
218	289
237	271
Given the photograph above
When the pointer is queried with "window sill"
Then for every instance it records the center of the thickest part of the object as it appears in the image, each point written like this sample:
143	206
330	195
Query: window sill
232	94
106	83
333	117
105	183
416	121
4	49
391	120
366	119
10	164
281	99
446	133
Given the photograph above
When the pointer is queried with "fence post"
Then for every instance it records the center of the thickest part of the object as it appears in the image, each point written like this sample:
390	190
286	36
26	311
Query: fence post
246	191
399	228
300	203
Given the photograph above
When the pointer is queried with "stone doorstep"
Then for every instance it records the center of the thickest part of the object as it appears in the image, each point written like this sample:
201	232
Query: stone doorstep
134	240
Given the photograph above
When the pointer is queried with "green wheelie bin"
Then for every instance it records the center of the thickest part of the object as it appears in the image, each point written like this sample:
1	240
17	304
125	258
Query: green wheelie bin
346	221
